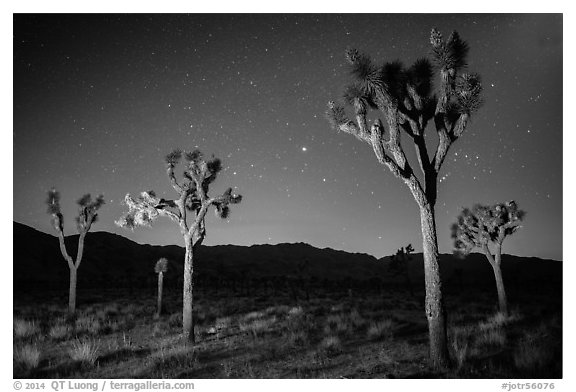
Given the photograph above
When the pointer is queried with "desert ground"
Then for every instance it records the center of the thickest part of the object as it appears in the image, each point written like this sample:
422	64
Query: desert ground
331	334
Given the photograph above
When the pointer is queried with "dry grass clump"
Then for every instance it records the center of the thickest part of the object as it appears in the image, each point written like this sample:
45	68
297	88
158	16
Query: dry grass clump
25	329
88	324
60	332
331	345
84	351
338	323
498	320
495	337
27	357
461	341
381	329
179	356
257	327
356	319
534	351
296	311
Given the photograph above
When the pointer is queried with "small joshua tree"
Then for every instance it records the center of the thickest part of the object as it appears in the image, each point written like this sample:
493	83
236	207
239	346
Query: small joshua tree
485	225
405	98
192	199
86	217
399	265
160	268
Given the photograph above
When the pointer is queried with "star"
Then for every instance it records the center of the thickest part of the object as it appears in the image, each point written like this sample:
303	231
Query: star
304	149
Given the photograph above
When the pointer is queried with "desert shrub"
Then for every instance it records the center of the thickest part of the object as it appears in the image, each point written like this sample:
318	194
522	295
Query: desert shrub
495	337
112	326
356	320
498	320
176	357
535	350
111	310
253	315
227	369
128	322
380	329
337	323
222	323
331	345
27	357
296	311
297	338
385	356
101	315
257	327
533	357
88	324
25	329
460	338
129	309
60	332
175	320
84	351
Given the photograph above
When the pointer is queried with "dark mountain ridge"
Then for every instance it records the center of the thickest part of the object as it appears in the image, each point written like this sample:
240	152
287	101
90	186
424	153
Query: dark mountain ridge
111	260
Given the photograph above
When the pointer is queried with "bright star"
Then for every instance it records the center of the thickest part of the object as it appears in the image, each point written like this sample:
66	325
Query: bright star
304	149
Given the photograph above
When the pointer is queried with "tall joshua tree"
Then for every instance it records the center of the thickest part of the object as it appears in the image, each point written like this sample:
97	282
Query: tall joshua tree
160	268
86	217
192	200
483	226
404	97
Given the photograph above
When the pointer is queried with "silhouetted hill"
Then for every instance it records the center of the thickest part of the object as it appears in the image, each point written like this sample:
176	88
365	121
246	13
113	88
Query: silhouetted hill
111	260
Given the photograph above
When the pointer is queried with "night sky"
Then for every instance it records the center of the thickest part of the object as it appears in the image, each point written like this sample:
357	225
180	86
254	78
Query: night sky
100	100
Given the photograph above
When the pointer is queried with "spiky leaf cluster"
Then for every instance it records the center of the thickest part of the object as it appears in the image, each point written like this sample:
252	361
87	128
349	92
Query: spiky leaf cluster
420	75
174	157
379	86
198	175
161	265
468	93
410	89
450	54
142	211
53	202
481	225
87	211
336	115
362	68
198	170
224	201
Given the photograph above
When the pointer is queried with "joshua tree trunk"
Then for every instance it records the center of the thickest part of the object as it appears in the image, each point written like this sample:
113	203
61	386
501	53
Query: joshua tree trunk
160	281
496	266
72	291
73	269
187	306
435	312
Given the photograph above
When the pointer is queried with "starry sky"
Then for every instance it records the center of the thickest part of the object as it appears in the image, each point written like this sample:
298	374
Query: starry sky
100	99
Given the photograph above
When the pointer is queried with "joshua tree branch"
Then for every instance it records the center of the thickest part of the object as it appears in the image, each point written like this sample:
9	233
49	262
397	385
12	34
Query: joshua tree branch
170	172
80	249
198	221
459	126
488	254
444	142
502	230
175	217
63	250
353	129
